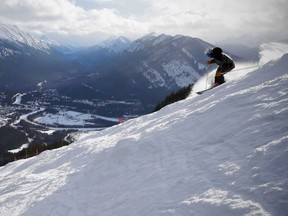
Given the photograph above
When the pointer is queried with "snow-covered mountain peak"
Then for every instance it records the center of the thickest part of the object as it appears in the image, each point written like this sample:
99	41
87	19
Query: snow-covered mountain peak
116	45
12	34
148	40
148	36
50	41
152	37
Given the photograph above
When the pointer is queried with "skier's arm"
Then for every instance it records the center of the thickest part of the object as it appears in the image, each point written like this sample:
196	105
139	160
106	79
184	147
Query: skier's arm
211	61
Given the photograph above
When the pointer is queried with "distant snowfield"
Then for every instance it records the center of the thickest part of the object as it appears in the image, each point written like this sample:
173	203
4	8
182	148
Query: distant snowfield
224	152
67	118
70	118
3	121
19	149
18	98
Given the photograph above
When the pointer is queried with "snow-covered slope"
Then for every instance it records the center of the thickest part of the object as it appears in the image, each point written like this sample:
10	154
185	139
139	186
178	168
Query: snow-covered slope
270	52
14	35
221	153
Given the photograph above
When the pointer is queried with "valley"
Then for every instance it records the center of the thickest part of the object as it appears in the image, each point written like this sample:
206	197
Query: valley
45	117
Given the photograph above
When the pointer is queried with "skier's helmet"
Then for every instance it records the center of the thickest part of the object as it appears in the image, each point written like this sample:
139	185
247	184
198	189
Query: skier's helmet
217	51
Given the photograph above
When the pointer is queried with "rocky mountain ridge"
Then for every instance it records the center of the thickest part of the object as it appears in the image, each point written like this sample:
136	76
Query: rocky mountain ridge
147	68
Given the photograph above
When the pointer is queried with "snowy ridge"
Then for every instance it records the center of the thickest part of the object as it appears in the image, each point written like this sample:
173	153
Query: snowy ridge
117	45
221	153
136	45
151	39
160	39
14	35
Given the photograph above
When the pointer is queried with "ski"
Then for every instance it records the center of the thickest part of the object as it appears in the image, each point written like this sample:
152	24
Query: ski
201	92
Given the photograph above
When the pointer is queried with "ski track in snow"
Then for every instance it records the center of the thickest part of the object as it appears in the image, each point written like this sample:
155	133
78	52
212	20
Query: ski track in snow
221	153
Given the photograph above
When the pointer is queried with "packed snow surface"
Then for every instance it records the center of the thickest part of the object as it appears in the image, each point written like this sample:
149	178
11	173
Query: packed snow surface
222	153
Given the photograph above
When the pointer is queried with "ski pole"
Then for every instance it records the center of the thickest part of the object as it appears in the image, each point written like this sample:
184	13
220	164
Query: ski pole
206	80
244	68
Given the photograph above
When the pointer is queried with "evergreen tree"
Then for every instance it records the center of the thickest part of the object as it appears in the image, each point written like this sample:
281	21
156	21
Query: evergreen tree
174	97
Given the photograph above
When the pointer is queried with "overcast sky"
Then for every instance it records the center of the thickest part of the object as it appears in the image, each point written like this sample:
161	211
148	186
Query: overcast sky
91	21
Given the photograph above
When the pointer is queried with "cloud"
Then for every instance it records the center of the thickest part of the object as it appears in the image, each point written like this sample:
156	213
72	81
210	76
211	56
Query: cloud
65	17
222	19
32	10
210	20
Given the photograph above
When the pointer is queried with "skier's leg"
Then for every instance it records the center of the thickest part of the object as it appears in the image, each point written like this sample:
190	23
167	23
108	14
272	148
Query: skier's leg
227	68
219	78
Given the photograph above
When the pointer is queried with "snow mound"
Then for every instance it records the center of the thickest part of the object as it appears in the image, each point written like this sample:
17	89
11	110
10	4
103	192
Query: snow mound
222	153
270	52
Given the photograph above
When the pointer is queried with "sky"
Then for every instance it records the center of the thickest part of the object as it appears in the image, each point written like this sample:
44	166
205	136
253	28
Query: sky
88	22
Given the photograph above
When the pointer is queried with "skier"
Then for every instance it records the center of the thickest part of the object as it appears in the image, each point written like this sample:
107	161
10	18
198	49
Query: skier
225	63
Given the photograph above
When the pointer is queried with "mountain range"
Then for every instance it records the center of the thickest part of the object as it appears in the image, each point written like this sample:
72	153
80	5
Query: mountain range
145	69
42	82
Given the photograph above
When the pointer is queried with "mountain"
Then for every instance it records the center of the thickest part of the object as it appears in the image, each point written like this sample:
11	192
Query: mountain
116	45
15	39
43	79
170	62
221	153
147	69
26	61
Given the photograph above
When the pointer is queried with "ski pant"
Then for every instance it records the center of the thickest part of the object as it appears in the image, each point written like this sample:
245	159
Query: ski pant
225	68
